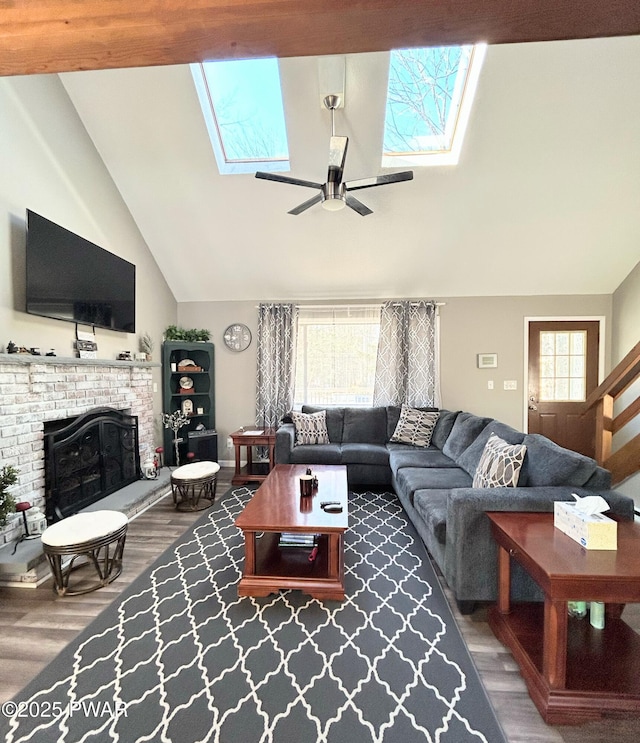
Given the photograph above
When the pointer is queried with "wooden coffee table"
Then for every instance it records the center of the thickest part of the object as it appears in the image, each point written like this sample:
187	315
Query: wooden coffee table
277	507
573	671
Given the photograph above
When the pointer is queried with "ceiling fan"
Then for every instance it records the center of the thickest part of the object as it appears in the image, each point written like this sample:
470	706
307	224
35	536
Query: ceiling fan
334	194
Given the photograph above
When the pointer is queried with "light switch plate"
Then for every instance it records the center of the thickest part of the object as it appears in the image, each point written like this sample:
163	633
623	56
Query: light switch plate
510	384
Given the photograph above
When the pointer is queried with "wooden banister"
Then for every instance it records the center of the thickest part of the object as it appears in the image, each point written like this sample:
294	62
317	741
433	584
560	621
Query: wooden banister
626	460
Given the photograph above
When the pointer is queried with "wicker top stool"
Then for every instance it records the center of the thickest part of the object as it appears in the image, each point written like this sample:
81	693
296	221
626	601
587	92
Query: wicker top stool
98	536
194	485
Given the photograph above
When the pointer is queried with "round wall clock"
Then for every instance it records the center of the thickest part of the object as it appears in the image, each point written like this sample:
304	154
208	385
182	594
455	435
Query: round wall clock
237	337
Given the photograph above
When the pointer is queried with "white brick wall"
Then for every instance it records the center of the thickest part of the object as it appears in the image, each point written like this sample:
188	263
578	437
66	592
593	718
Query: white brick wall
33	391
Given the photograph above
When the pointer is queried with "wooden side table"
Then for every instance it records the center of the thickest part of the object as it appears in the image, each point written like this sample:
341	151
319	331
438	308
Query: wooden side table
250	437
573	671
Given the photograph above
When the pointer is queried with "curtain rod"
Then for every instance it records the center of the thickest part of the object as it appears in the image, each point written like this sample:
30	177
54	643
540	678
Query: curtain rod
348	306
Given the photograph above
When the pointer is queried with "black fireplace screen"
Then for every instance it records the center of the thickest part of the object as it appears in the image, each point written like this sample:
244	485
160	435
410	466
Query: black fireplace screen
88	458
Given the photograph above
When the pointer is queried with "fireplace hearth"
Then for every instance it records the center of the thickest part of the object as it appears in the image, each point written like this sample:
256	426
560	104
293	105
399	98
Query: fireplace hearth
88	458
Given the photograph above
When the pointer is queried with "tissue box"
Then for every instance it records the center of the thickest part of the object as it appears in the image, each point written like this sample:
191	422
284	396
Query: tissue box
593	531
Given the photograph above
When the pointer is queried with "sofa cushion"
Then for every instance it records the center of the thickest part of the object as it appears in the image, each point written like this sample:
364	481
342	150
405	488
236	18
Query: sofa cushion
600	480
365	426
311	428
469	459
432	507
326	454
393	416
415	427
365	454
401	455
547	463
335	420
441	432
500	464
411	479
465	431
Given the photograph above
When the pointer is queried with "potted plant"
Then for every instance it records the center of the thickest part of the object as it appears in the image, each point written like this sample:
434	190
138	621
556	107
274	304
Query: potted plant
175	333
146	345
8	478
175	421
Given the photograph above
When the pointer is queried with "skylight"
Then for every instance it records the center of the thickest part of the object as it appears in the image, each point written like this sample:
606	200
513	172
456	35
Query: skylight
242	105
429	99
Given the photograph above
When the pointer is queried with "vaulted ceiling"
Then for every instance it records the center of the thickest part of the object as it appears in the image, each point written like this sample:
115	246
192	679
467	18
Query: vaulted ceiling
545	199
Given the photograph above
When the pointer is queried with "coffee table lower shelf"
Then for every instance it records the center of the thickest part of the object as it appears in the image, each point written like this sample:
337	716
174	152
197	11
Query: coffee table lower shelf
603	666
269	568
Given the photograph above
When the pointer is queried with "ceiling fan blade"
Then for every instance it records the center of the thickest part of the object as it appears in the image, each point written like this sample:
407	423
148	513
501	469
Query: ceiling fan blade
305	205
337	156
287	179
357	206
379	180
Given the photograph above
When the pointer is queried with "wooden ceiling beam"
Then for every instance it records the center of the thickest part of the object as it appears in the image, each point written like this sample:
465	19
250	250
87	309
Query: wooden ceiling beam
43	36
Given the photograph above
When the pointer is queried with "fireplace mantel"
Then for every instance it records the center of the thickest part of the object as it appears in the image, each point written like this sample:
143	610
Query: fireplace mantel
28	358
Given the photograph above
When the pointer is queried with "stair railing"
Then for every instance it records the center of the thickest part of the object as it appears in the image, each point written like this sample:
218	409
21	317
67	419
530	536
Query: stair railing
625	461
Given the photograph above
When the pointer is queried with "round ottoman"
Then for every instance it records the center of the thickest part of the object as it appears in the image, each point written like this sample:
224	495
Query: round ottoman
97	536
194	485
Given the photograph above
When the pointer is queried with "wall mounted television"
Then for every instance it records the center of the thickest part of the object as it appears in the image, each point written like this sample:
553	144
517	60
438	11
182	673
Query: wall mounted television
70	278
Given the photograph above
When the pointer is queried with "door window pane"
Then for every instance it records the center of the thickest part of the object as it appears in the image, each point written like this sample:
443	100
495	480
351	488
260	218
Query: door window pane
576	392
562	366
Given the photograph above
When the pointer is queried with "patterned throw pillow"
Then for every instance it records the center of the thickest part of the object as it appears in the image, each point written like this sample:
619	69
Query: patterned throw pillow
415	426
311	428
500	464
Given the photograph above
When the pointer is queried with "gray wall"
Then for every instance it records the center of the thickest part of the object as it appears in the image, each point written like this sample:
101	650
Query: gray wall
469	325
49	164
626	333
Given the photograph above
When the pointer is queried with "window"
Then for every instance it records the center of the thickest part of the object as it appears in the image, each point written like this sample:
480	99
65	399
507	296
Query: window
429	100
336	355
563	366
242	105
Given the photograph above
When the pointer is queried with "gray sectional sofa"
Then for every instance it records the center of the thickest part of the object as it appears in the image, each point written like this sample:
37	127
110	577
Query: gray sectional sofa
434	485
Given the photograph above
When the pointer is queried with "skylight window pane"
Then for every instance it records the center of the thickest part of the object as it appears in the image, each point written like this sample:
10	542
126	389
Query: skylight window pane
242	104
428	102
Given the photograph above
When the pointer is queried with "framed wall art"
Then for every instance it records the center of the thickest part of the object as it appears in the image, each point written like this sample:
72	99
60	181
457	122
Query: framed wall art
487	360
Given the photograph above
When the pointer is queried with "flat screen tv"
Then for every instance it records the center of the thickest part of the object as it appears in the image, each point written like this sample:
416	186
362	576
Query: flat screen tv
70	278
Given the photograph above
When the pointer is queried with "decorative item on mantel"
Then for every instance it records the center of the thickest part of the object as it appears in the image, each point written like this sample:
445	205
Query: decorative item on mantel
174	333
175	421
86	345
146	345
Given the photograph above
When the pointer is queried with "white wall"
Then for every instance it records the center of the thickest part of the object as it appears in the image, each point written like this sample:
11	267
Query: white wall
469	325
49	164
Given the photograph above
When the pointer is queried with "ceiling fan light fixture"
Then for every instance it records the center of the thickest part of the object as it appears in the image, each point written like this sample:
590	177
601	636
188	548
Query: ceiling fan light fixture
333	203
333	196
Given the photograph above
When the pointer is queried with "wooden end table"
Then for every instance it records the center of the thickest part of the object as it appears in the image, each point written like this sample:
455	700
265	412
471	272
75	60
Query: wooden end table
573	671
250	437
277	507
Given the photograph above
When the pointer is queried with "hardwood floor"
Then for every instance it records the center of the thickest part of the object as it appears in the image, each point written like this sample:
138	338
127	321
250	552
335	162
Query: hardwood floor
35	625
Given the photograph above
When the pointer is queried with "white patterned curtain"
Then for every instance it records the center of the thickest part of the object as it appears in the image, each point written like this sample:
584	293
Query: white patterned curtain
407	364
276	362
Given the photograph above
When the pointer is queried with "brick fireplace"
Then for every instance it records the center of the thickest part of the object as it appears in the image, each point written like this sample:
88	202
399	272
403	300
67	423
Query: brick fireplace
35	389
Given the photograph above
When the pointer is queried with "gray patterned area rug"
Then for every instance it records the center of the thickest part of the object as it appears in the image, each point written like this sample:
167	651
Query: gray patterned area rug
179	657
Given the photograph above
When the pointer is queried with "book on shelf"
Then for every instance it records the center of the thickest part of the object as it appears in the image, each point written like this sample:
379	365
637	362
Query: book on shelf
296	539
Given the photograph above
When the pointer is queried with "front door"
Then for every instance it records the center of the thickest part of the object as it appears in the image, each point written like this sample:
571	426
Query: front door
563	370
